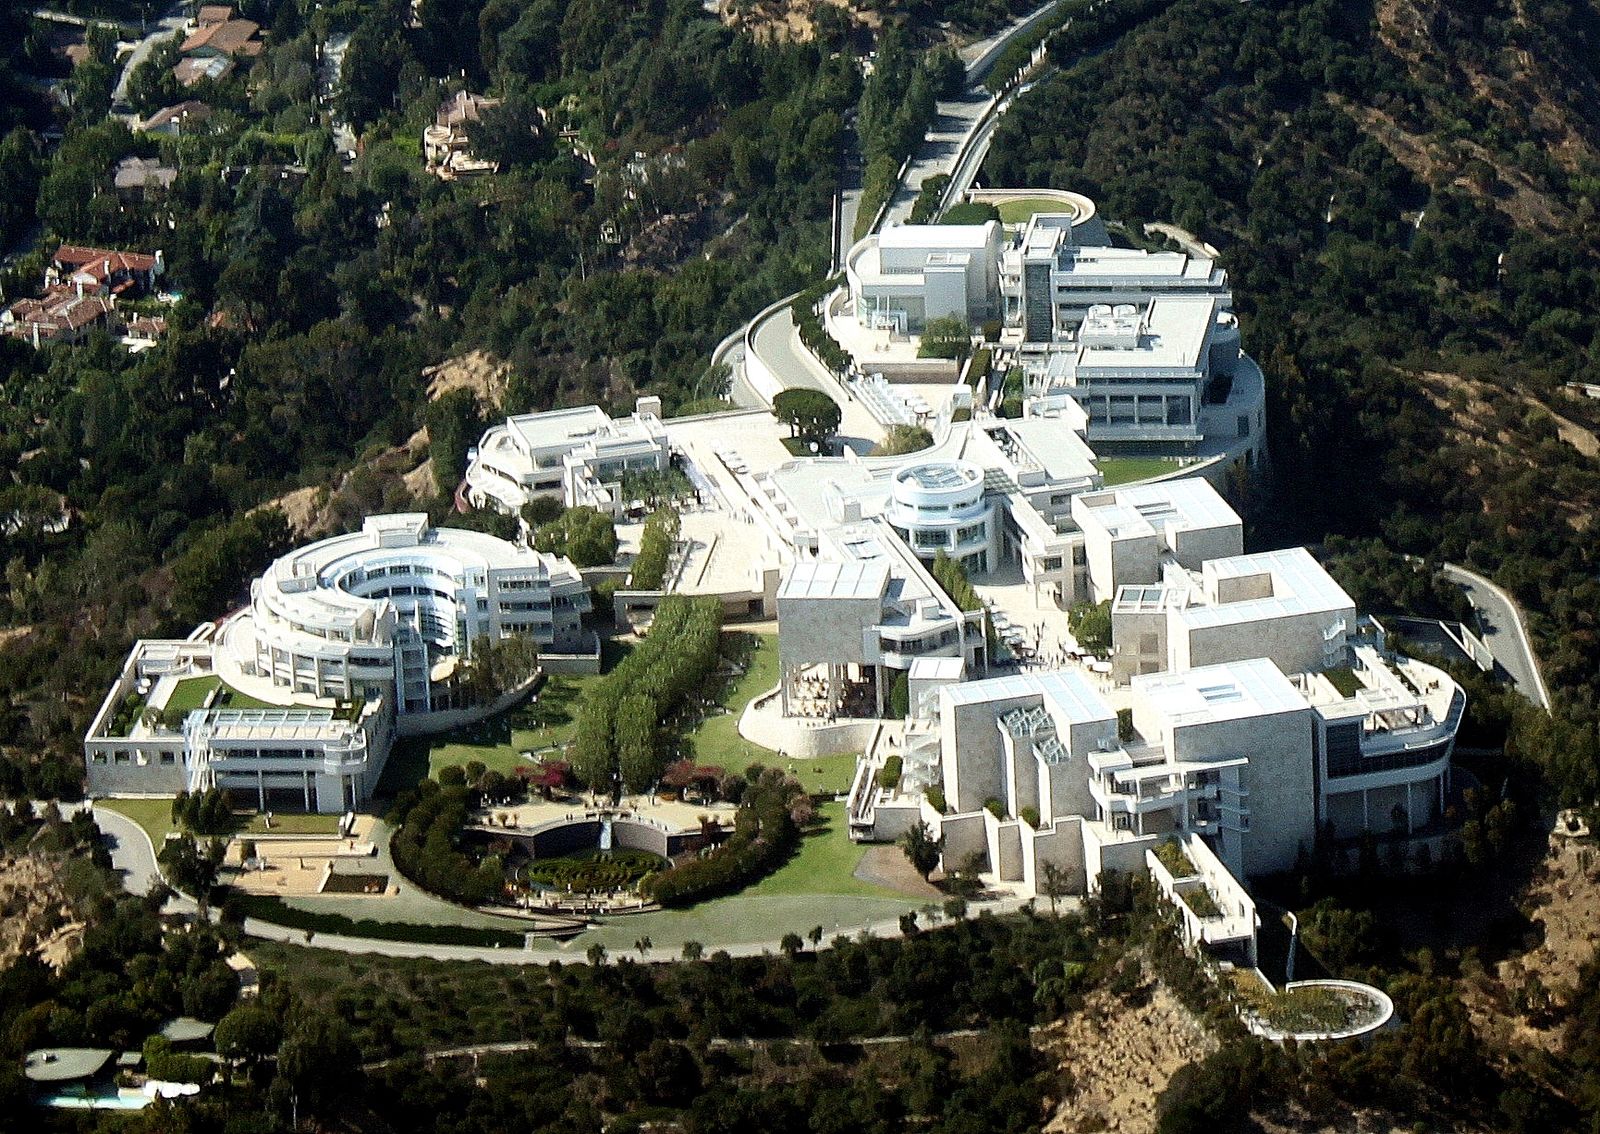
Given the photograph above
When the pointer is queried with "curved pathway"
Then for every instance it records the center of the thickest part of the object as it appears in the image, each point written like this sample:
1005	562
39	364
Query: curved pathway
133	854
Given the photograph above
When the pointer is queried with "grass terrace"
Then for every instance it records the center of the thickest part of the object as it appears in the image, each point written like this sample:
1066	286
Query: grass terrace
191	693
716	739
498	743
1201	903
1020	211
1171	856
153	815
1127	470
1309	1009
289	823
825	864
1344	679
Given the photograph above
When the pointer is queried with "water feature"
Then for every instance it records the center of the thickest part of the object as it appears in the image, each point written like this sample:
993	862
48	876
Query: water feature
605	834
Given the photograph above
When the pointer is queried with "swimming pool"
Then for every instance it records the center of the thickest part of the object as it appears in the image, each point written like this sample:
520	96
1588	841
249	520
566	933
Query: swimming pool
121	1100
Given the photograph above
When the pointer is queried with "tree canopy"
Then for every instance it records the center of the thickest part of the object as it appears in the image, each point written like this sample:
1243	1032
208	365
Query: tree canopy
811	415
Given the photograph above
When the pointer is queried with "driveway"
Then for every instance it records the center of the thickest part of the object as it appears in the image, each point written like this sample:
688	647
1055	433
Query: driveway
172	22
777	341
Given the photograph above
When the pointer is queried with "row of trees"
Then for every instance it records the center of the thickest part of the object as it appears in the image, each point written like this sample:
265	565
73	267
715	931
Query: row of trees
208	812
499	665
656	544
622	738
813	334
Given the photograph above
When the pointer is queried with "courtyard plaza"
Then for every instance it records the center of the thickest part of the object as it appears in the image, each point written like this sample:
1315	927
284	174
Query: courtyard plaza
668	814
299	865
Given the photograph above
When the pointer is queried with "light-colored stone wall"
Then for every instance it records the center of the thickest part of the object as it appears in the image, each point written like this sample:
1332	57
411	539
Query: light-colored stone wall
964	835
1294	642
1282	799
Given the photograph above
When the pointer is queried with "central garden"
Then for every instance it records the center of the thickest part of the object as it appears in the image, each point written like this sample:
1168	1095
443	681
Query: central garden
642	730
592	870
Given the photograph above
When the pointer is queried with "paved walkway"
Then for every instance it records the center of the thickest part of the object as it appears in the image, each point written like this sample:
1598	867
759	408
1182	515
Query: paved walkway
777	340
1501	625
741	926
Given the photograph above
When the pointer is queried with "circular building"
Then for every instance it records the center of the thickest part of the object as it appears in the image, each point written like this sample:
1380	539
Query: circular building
941	506
393	608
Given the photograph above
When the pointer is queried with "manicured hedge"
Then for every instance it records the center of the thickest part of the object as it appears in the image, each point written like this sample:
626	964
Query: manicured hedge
764	837
605	871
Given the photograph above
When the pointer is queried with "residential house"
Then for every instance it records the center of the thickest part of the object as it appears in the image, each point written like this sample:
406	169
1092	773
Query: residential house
63	314
103	271
216	42
134	177
177	119
446	145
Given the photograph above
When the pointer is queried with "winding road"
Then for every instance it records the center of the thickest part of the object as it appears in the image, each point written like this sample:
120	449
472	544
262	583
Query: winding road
1501	626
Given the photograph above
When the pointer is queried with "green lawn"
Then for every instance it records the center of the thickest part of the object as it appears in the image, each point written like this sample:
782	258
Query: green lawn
289	824
1125	470
1018	212
716	739
825	775
154	815
825	865
191	693
499	742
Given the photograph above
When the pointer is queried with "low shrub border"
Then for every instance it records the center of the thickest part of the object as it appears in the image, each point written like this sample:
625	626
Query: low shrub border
265	907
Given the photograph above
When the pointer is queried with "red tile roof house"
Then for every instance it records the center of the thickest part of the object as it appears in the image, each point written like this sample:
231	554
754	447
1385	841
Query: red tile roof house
103	271
62	314
229	37
210	49
144	332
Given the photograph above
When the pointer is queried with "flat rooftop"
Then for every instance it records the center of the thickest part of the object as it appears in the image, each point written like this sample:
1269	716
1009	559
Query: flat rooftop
1165	507
1175	329
1214	693
1067	692
1091	267
1298	585
943	237
854	579
1050	444
564	427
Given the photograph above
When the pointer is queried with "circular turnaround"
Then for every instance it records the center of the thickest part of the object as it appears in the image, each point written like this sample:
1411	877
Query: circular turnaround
1310	1010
